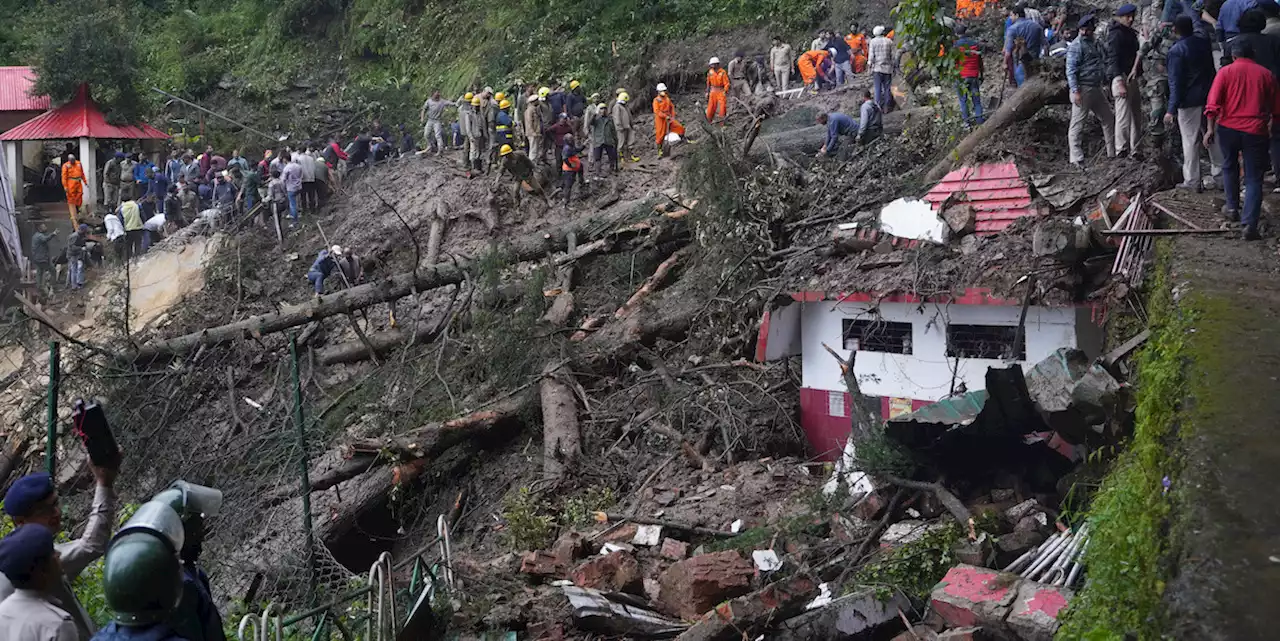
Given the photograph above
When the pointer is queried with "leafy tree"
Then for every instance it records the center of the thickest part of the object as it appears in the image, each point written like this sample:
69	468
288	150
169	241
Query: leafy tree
73	47
921	31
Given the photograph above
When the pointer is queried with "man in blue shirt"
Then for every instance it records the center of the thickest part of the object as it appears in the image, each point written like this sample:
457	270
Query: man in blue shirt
140	176
837	124
1229	17
1023	41
1191	72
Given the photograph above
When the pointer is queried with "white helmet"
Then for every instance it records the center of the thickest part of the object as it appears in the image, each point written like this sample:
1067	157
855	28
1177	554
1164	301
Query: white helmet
714	61
878	31
662	86
336	249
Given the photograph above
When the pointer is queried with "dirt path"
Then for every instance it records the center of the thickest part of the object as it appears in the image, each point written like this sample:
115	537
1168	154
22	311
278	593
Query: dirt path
1230	531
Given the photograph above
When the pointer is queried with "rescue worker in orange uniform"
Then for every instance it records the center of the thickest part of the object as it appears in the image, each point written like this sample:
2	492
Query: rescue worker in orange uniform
857	41
810	64
73	183
717	91
664	118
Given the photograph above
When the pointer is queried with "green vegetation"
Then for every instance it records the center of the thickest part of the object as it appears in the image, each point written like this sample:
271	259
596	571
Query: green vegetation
922	34
1128	516
913	568
531	520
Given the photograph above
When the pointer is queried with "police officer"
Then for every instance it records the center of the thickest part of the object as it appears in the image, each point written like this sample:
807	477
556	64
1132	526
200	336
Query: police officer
33	499
142	576
28	559
197	618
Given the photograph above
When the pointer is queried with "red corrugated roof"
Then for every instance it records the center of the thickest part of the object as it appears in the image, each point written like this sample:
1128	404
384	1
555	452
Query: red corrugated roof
79	118
15	88
995	190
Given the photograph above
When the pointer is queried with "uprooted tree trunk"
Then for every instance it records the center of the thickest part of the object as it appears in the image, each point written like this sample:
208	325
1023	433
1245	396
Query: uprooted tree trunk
523	248
561	435
808	140
1024	103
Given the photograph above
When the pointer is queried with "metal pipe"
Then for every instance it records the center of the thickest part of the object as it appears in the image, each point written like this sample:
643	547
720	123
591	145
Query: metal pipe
1057	568
446	553
51	445
1079	565
1044	550
1029	555
1048	557
249	621
217	115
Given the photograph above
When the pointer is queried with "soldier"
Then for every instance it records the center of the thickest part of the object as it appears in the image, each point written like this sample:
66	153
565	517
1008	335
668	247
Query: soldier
1155	83
196	618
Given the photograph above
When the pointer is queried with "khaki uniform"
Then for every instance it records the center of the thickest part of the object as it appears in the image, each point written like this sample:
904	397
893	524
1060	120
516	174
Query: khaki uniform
738	84
27	616
780	62
623	127
76	556
533	129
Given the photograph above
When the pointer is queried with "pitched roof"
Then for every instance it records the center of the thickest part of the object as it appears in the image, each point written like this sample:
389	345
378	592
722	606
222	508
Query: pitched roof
997	192
79	118
15	90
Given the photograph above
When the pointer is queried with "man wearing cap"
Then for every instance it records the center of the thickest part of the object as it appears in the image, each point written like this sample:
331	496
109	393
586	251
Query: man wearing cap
29	562
664	118
604	143
33	500
111	181
533	127
881	60
1123	70
322	268
717	91
624	128
738	76
780	63
1086	76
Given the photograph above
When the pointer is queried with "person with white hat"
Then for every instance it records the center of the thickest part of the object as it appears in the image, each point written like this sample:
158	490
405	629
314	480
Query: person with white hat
326	261
623	126
882	60
664	118
717	91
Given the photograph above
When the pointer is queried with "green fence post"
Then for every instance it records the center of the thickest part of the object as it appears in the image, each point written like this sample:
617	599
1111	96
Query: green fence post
305	478
51	445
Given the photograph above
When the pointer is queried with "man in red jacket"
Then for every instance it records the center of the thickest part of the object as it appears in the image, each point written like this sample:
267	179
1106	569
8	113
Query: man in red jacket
1243	103
970	87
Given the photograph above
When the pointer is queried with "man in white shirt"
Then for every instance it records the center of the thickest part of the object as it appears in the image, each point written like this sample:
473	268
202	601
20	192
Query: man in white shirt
29	562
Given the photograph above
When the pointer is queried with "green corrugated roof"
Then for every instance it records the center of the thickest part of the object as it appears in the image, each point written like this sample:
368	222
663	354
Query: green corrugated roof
959	410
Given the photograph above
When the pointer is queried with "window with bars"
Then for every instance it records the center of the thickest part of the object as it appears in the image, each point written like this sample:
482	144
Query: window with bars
877	336
993	342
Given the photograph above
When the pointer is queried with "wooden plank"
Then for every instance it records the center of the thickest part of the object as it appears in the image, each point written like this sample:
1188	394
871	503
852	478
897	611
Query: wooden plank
1163	232
1110	358
1174	216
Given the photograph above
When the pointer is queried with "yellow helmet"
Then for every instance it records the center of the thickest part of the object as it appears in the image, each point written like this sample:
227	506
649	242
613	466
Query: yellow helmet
624	97
506	149
468	96
499	96
475	101
574	84
504	104
544	92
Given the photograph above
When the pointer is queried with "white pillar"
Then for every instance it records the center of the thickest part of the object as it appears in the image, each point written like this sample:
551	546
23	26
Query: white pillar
89	163
13	165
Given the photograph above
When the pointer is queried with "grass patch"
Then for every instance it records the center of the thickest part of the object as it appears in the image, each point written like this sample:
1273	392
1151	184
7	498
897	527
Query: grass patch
914	568
1129	541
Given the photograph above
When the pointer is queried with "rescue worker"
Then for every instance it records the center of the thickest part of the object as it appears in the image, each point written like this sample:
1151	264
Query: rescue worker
1155	83
882	61
757	75
517	164
575	101
73	185
466	114
604	142
837	125
111	181
557	99
589	116
717	91
533	127
196	617
142	576
490	109
571	168
502	133
664	119
737	70
34	499
323	266
548	117
474	131
623	126
857	42
810	64
28	560
780	64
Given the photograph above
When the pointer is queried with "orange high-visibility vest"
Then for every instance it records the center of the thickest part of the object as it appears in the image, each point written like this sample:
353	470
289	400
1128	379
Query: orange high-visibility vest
663	107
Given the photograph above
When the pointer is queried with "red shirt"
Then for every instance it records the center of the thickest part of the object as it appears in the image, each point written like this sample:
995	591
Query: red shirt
970	63
1244	97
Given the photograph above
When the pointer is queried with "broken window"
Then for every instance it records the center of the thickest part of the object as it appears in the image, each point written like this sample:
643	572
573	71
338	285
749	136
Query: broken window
877	336
993	342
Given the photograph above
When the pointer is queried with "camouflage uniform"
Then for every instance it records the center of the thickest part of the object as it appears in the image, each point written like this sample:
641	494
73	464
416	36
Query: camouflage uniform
1155	82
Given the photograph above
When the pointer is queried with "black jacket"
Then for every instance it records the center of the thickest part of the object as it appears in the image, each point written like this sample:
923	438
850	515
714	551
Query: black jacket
1266	50
1122	50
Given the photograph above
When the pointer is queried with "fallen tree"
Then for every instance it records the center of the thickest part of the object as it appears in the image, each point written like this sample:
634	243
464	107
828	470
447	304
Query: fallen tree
522	248
1024	103
808	140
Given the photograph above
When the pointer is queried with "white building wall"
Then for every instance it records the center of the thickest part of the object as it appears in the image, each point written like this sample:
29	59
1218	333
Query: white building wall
925	374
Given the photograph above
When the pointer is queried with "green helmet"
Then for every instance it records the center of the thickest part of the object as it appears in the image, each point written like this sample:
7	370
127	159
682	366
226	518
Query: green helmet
141	578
